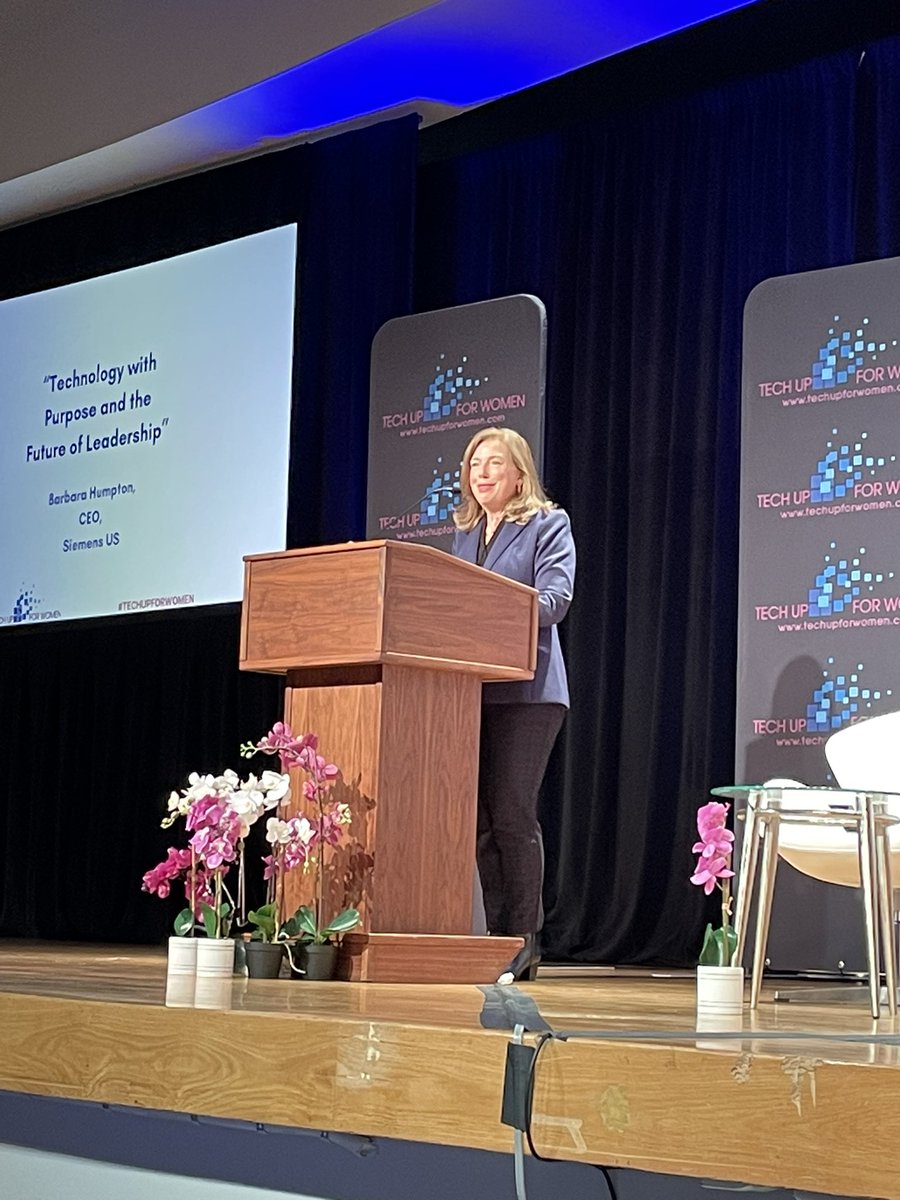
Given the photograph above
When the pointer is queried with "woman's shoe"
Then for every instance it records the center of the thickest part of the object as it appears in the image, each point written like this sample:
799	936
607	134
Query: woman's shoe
525	965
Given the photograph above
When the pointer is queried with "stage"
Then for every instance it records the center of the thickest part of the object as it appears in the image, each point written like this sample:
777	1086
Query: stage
802	1098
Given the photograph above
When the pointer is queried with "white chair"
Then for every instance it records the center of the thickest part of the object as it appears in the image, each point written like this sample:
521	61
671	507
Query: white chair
864	757
847	839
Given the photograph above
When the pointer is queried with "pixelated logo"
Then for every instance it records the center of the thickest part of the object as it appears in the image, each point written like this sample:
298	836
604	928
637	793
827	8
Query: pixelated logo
450	387
428	516
843	356
841	698
24	609
842	467
441	496
841	582
24	605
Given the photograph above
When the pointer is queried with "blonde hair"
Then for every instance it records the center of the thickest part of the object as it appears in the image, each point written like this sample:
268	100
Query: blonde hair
530	498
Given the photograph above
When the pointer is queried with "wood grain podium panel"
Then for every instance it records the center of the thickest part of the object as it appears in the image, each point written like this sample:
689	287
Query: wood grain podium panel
347	718
372	602
410	782
428	780
306	609
424	958
457	614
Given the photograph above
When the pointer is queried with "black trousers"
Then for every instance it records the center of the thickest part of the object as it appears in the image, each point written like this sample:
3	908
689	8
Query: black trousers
516	740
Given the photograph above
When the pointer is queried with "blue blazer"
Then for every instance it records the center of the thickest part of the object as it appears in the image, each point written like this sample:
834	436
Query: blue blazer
540	553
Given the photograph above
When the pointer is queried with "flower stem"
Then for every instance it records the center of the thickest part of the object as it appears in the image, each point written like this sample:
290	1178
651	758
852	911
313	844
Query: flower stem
725	954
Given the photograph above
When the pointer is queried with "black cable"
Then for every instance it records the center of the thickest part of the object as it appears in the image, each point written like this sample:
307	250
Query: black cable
539	1044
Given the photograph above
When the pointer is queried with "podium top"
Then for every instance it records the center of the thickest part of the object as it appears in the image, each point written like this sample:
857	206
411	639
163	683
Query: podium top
374	602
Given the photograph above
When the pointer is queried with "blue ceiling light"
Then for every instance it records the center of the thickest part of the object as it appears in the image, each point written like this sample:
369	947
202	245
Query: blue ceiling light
441	59
459	53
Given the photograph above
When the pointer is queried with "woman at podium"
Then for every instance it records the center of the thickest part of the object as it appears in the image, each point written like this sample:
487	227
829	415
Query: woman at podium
506	524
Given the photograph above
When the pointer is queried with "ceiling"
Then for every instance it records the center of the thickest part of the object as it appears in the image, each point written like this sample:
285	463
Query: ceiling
102	97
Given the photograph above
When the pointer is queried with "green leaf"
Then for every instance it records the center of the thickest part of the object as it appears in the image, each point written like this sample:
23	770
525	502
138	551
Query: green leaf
213	925
184	923
208	916
342	923
264	919
718	947
289	928
306	919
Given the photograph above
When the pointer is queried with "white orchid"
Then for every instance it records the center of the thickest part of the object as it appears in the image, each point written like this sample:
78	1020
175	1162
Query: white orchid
278	832
303	829
277	788
248	799
248	808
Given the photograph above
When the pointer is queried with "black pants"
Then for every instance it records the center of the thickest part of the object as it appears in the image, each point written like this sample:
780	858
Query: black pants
516	740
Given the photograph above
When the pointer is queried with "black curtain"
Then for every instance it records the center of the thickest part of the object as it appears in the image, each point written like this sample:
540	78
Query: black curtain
644	233
99	721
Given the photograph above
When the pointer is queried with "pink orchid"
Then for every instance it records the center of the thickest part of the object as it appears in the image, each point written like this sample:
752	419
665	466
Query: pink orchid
715	840
206	813
711	816
282	741
713	870
159	879
296	855
331	827
709	872
214	847
719	841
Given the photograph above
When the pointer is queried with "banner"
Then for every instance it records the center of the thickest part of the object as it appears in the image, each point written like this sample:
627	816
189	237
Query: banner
819	617
437	378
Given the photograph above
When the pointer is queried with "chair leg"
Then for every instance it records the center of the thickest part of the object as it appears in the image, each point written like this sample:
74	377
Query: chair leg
746	880
867	874
764	905
885	912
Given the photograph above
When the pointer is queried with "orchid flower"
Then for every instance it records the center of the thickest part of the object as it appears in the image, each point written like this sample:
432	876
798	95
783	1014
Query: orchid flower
713	870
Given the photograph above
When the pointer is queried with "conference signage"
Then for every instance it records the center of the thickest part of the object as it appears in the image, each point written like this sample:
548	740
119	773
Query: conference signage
819	617
436	379
146	424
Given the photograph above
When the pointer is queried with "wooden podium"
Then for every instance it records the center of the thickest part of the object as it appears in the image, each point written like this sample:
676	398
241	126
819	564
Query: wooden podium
385	646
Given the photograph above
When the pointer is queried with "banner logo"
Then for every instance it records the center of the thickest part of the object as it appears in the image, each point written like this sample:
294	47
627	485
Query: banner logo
429	516
844	481
839	584
24	605
842	358
839	698
843	596
25	609
449	387
441	496
841	469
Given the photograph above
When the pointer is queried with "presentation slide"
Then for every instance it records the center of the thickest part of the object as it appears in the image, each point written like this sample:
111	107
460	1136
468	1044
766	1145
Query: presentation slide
145	419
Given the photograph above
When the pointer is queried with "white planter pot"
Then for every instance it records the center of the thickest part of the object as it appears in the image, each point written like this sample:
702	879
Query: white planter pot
215	957
182	960
720	991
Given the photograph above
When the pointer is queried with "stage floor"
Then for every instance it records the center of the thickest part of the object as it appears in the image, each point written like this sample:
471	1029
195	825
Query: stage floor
803	1096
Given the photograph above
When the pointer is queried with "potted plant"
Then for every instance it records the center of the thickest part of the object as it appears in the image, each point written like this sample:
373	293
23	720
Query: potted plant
301	841
720	983
317	946
218	812
264	947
